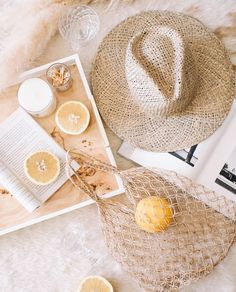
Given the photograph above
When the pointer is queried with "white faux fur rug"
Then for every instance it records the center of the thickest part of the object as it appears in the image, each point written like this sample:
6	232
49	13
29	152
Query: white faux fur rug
40	258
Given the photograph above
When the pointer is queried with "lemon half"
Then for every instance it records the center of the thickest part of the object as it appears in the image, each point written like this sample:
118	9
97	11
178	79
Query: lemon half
153	214
42	167
72	117
95	284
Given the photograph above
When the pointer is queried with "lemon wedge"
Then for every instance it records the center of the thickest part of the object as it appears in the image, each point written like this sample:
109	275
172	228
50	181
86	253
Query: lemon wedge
72	117
95	284
42	167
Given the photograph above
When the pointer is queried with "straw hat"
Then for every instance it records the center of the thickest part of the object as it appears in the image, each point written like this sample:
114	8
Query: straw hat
162	81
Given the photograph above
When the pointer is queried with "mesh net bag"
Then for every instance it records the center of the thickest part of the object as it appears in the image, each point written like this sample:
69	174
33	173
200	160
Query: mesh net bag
196	240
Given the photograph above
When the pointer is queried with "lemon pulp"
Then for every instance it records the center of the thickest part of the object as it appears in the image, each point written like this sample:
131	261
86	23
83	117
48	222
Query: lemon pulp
95	284
42	167
72	117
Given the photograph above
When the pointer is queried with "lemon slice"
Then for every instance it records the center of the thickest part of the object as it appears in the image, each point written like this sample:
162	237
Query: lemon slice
95	284
42	167
72	117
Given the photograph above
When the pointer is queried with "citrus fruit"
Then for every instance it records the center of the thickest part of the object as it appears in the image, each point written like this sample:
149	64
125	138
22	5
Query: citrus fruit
95	284
72	117
153	214
42	167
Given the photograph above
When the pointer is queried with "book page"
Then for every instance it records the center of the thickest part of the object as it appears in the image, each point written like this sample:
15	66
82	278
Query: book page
10	182
189	162
20	135
157	159
219	171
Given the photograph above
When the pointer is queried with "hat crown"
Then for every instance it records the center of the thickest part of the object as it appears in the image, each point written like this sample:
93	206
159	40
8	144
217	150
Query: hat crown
160	71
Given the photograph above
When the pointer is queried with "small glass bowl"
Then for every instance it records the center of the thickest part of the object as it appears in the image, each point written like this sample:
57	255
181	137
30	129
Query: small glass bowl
78	24
59	76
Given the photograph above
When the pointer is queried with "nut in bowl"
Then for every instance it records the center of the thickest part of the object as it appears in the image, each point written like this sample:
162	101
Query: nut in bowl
59	76
42	167
72	117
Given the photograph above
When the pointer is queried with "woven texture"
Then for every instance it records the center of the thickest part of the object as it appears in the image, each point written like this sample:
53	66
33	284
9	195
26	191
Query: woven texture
197	239
162	81
160	71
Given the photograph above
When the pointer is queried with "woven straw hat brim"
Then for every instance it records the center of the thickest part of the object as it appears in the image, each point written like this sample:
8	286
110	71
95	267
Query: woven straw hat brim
207	111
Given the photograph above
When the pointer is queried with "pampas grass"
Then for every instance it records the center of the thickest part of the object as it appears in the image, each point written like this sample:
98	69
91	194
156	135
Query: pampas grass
26	27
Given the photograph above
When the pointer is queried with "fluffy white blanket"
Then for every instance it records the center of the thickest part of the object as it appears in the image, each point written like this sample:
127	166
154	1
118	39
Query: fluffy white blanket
40	258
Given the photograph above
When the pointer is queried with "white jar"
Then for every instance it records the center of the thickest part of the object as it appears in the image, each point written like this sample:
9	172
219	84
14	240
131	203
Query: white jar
36	97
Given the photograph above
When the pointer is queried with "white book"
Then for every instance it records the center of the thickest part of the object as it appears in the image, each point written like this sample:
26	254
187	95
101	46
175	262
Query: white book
211	163
21	135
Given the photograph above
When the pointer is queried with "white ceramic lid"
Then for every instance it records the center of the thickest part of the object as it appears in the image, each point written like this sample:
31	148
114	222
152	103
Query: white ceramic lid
34	95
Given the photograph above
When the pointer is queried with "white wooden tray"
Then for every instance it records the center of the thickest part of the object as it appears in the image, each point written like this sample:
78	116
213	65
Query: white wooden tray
93	141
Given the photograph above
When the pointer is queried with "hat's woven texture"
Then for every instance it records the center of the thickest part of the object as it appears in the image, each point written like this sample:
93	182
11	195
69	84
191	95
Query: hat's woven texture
160	71
162	81
197	240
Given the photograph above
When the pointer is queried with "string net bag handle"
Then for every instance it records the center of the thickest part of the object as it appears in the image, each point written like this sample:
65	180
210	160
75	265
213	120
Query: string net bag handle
198	238
84	159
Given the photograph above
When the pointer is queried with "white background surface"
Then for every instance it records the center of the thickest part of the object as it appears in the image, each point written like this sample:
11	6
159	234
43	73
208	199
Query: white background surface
35	259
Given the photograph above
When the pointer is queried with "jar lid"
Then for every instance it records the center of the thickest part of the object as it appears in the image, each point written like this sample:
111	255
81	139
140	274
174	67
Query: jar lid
35	95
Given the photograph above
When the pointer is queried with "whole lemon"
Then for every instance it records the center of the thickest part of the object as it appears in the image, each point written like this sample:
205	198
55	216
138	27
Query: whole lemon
153	214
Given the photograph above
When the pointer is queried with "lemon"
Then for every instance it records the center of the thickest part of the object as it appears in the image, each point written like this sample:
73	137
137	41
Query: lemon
95	284
153	214
72	117
42	167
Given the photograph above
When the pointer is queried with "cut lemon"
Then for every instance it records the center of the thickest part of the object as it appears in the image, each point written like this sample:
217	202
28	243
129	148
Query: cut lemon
95	284
72	117
42	167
